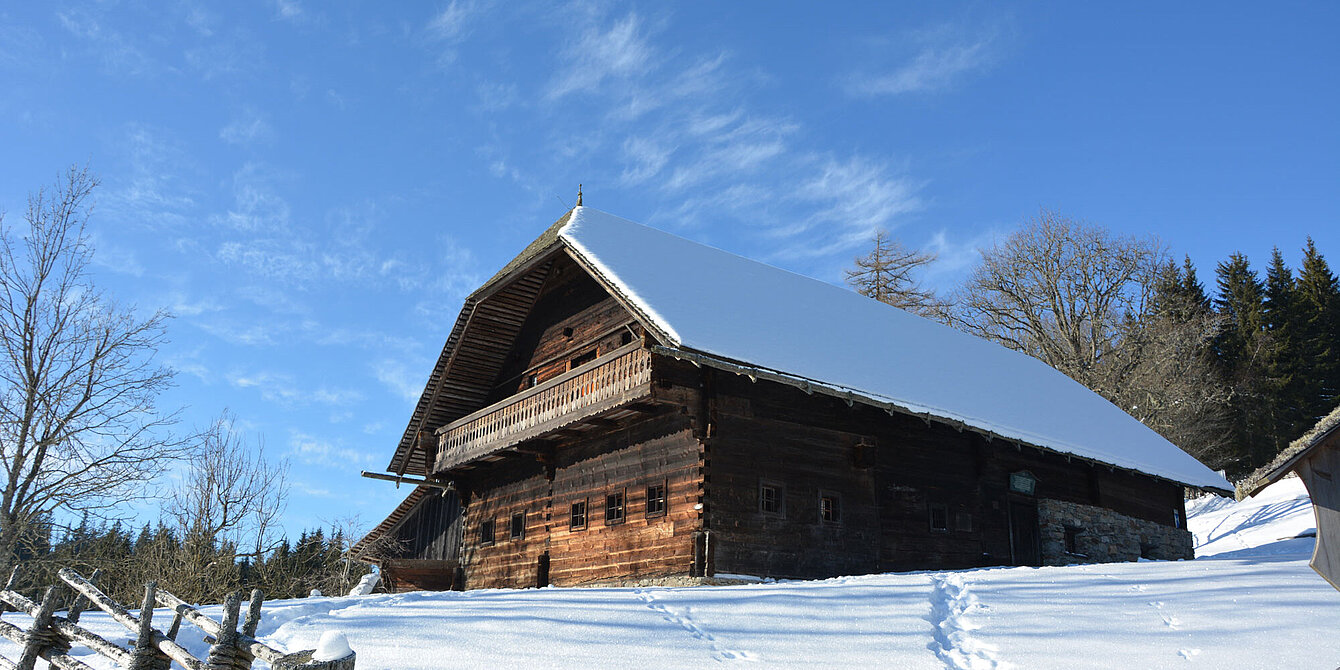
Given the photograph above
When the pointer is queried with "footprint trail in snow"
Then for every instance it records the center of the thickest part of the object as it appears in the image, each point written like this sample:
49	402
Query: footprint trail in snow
954	643
684	620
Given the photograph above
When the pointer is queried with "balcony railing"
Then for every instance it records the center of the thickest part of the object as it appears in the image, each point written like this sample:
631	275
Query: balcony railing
622	376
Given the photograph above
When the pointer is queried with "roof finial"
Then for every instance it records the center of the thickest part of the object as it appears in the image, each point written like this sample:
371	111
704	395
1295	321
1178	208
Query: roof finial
579	195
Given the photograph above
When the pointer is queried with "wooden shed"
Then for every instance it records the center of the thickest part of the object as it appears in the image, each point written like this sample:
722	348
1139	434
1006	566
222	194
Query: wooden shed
1315	457
621	405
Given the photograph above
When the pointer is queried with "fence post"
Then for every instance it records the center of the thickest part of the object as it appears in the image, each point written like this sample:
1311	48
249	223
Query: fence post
41	636
223	654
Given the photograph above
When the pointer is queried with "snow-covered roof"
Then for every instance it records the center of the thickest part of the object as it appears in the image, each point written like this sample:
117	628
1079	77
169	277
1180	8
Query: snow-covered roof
726	306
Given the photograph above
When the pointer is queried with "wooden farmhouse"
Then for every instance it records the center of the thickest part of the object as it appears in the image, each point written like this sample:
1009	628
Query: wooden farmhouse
1315	457
620	405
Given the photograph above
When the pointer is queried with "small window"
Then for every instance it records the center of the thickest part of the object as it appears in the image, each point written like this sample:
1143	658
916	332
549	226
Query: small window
770	499
939	517
1177	518
963	522
577	517
583	359
656	500
1072	534
829	510
614	508
486	532
626	338
567	332
517	531
531	380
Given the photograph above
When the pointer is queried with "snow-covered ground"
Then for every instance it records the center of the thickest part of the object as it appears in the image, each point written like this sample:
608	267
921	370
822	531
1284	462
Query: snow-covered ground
1252	602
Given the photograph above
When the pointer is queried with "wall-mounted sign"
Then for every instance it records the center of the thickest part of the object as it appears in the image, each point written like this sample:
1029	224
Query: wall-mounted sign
1023	482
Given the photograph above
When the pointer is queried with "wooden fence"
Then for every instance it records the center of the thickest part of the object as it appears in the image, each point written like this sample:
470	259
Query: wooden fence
50	637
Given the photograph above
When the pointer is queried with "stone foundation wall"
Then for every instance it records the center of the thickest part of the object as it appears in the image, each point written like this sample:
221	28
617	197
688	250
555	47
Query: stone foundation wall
1105	536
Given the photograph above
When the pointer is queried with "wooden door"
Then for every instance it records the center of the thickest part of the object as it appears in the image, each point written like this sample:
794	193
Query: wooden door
1025	543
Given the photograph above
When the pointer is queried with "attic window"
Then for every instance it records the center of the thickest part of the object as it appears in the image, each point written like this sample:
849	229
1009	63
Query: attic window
567	332
626	338
582	359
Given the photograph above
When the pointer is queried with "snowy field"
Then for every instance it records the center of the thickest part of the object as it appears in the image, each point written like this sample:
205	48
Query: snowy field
1251	602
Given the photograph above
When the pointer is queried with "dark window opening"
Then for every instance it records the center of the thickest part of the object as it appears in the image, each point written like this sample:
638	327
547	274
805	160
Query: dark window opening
939	517
518	527
577	517
614	508
963	522
1072	534
770	499
567	332
626	338
486	532
532	380
1147	551
656	500
582	359
828	508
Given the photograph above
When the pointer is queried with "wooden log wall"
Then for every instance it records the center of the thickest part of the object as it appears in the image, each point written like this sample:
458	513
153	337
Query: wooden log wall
888	473
656	451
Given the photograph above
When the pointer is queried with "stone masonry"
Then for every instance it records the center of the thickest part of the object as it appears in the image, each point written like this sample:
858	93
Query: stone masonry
1103	536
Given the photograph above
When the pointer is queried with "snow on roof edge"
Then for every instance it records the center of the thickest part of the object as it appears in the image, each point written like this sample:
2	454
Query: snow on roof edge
1003	432
642	268
613	279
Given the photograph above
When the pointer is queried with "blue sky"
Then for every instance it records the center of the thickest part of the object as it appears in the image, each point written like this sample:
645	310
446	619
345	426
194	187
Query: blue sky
312	189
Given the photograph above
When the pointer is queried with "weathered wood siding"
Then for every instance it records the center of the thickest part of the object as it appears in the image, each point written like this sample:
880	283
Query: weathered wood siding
659	450
888	473
432	531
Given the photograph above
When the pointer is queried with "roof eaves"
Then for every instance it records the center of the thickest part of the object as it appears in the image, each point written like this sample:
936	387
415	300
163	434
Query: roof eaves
1284	462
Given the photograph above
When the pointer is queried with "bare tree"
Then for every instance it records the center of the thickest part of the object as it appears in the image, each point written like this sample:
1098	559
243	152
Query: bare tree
1061	291
1083	301
226	506
887	274
79	430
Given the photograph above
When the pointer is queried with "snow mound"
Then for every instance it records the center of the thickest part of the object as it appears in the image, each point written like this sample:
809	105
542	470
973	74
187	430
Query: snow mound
1277	521
366	585
333	646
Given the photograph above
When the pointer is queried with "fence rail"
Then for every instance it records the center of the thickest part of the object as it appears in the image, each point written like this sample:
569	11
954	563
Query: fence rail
51	637
609	381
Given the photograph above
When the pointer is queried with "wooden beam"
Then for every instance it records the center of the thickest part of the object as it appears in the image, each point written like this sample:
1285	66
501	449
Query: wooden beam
398	479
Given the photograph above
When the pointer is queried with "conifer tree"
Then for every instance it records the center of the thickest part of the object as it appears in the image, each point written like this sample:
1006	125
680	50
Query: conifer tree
1241	304
1318	303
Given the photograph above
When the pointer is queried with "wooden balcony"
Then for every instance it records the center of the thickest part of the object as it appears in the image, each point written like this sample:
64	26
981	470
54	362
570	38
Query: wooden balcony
620	377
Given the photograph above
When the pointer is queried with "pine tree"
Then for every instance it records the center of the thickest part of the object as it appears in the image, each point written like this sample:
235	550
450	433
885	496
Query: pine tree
1318	304
1240	303
1281	407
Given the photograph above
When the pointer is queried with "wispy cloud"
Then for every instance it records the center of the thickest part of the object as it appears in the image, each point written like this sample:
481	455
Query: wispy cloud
280	388
314	450
249	127
946	55
855	197
404	380
599	55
